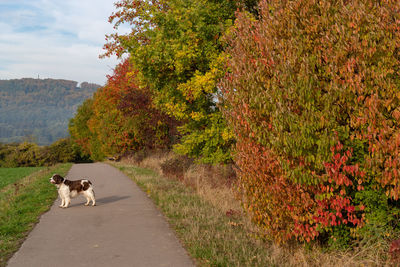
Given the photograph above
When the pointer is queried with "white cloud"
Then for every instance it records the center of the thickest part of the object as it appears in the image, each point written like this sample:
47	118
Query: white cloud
55	39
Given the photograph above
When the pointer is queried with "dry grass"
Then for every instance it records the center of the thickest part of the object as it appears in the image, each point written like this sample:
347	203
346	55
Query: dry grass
215	186
149	160
212	183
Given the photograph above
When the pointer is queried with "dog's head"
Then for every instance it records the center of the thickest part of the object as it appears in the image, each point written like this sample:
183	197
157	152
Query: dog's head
56	179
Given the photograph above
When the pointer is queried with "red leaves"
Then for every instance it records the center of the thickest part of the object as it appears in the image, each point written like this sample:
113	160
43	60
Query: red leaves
338	207
284	203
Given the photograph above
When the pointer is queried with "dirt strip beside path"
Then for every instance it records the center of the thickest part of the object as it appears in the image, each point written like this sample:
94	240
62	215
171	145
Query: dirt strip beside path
124	229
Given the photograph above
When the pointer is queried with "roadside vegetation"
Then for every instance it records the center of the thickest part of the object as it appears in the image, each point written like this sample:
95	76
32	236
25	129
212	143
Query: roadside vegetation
32	155
22	200
201	204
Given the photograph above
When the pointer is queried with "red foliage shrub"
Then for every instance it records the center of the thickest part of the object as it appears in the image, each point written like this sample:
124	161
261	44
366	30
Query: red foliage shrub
312	96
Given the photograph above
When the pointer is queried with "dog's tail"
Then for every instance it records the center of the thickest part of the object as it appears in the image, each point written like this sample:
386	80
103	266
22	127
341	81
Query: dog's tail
86	181
94	195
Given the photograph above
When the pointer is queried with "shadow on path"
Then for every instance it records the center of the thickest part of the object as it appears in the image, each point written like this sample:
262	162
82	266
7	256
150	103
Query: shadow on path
103	200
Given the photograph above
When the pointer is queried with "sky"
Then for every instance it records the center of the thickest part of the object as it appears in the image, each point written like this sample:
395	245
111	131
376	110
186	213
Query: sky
59	39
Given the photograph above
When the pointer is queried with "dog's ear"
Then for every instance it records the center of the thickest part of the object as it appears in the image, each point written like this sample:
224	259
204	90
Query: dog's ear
58	178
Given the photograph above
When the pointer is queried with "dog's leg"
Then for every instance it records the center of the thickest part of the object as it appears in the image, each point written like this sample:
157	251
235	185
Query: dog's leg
92	197
67	202
87	199
87	195
62	199
62	203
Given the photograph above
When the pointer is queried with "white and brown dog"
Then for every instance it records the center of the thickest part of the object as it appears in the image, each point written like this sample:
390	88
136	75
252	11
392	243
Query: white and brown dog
68	189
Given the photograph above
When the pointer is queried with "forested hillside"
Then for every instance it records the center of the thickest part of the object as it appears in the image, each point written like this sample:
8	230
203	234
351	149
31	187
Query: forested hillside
39	109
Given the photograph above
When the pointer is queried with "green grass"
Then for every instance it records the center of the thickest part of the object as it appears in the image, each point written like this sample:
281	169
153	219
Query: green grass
21	204
209	235
11	175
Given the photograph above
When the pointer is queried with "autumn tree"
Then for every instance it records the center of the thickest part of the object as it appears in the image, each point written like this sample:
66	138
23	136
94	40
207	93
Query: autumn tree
121	118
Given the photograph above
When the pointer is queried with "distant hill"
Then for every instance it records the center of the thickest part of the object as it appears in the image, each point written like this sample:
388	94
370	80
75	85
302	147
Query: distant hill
38	110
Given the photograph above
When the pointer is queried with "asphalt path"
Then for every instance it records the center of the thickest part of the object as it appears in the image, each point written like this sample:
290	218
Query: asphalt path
123	229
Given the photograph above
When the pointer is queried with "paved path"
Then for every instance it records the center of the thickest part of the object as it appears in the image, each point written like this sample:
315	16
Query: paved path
124	229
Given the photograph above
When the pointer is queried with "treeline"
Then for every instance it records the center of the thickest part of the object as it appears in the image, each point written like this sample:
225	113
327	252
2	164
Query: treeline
31	155
302	96
39	109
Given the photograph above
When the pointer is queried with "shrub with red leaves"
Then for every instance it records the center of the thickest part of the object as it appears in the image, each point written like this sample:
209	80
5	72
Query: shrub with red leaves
312	94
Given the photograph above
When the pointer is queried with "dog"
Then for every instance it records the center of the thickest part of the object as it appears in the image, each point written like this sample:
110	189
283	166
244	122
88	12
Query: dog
68	189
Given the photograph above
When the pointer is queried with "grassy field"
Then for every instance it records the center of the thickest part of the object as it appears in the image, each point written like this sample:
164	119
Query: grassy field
22	202
11	175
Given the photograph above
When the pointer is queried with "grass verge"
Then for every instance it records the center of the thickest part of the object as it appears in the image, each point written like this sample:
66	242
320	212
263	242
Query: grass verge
210	236
21	204
11	175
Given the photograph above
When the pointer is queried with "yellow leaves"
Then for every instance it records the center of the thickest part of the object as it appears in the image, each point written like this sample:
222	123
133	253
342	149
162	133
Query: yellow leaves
183	58
204	83
132	77
227	135
178	110
197	116
199	85
217	66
